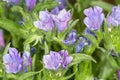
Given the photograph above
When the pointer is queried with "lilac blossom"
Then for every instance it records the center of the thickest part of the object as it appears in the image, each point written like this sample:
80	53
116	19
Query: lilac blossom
56	59
45	23
62	19
82	42
27	61
114	17
52	61
12	61
71	38
62	5
94	18
66	59
30	4
2	43
14	1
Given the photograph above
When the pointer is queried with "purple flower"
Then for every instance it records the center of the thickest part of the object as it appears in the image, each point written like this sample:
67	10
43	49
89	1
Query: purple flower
114	17
88	31
61	20
30	4
60	7
66	59
14	1
45	23
52	61
94	18
62	4
55	10
56	59
118	74
12	61
27	61
82	42
71	38
2	43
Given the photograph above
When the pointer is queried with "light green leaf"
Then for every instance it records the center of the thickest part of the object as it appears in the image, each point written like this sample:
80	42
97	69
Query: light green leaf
46	48
29	74
77	58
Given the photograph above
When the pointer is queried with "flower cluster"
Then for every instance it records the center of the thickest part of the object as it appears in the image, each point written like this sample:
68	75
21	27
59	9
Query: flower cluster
56	59
47	20
14	63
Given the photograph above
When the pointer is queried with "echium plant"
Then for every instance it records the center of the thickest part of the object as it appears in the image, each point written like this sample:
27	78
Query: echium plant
59	39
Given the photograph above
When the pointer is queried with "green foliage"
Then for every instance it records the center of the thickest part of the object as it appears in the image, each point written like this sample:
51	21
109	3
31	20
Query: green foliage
94	60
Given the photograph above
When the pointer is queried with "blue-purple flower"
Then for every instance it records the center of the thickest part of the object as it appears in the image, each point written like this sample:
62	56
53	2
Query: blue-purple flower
62	19
56	59
88	31
81	43
71	38
45	23
14	1
27	61
66	59
52	61
114	17
30	4
94	18
62	5
2	42
13	61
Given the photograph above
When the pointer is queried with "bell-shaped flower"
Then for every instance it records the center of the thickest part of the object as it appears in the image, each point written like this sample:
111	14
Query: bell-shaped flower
66	59
52	61
62	19
45	23
27	61
82	42
114	17
71	38
94	18
56	59
12	61
30	4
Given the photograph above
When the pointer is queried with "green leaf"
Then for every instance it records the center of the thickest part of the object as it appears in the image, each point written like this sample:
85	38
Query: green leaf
32	38
45	5
92	38
102	4
77	58
29	74
46	48
12	27
6	49
11	76
68	77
